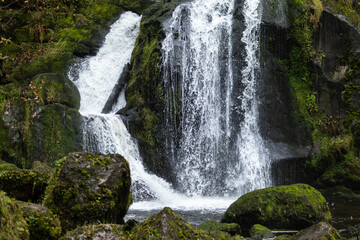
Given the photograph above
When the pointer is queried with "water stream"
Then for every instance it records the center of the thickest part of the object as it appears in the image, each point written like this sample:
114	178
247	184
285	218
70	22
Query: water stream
216	159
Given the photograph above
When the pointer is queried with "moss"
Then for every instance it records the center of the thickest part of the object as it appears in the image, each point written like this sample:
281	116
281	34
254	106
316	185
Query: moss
43	225
25	185
95	192
12	225
258	231
293	206
232	228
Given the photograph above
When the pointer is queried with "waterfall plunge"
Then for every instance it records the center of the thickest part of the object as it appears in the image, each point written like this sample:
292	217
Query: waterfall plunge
211	154
209	148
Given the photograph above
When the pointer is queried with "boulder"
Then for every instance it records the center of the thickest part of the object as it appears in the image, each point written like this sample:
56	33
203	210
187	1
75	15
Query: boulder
321	230
288	207
56	88
96	232
43	225
24	185
5	166
232	228
89	187
259	232
12	224
166	224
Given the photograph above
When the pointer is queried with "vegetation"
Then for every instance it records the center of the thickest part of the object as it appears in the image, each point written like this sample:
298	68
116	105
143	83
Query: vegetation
334	136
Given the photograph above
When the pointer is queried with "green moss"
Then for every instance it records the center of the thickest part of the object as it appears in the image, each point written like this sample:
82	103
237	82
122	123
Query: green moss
43	225
293	206
13	225
25	185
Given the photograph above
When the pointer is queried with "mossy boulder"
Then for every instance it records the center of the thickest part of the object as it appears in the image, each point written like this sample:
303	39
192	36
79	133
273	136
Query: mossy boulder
319	231
12	224
232	228
5	166
89	187
34	131
166	224
56	88
43	225
288	207
24	185
101	231
259	232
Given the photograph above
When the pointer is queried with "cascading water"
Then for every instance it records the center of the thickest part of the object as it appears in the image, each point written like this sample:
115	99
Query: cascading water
95	78
211	154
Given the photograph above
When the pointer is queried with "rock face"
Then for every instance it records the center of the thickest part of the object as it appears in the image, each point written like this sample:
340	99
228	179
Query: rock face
89	187
13	224
291	207
321	230
43	225
24	185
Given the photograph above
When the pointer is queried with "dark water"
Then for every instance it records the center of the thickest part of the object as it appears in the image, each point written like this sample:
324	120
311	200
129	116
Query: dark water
344	214
195	217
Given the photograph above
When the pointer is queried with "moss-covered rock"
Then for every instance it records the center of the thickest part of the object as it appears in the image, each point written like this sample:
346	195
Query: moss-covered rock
12	224
56	88
24	185
232	228
5	166
144	94
33	131
89	187
319	231
101	231
288	207
166	224
43	225
259	232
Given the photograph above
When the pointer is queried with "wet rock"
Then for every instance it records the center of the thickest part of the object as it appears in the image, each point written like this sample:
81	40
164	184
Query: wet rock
13	224
259	232
321	230
88	187
288	207
97	232
43	225
24	185
232	228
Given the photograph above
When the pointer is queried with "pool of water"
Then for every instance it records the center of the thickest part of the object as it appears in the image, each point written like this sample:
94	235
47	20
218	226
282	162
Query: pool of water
344	214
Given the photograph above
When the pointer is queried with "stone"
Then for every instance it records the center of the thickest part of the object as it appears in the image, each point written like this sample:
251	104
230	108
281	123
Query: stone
96	232
166	224
287	207
13	224
43	225
259	232
56	88
232	228
321	230
24	185
89	187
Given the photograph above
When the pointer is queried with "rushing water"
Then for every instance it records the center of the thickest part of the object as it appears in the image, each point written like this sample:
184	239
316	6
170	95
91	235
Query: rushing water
212	155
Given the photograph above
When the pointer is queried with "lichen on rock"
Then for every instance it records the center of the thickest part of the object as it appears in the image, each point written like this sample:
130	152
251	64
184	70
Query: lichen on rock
89	187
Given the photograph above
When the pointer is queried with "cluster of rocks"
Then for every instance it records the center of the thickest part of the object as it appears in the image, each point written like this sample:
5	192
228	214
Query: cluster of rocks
87	189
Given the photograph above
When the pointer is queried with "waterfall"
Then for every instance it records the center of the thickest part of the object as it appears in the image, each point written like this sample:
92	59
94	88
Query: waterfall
95	78
211	153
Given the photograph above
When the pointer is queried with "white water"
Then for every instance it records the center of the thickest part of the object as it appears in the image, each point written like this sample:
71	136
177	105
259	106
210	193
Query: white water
95	78
212	155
